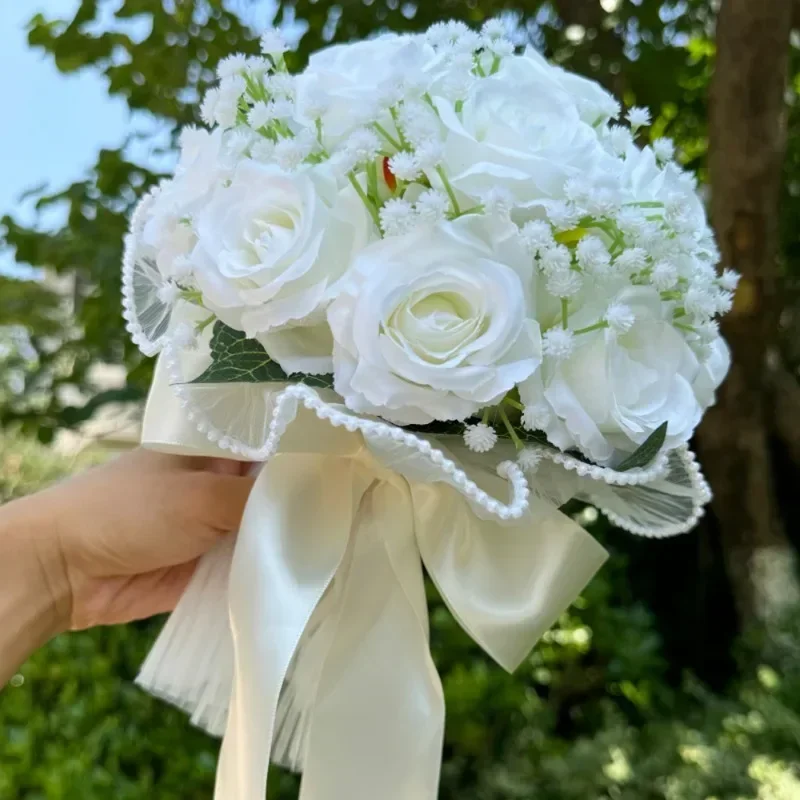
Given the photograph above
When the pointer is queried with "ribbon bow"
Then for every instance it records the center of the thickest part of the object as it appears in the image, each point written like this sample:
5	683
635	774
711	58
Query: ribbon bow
320	661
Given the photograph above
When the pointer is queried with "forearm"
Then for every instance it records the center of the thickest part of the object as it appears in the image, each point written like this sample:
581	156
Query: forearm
29	602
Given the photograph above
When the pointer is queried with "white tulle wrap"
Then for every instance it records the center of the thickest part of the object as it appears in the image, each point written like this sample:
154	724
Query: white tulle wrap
304	641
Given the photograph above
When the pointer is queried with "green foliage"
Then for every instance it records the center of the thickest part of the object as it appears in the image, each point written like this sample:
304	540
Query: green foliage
590	715
237	359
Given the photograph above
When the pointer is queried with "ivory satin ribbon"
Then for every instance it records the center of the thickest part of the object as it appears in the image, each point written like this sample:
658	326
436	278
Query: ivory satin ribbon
326	612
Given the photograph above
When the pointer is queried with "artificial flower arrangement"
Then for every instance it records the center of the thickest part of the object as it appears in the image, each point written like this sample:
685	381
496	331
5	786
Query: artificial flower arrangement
448	247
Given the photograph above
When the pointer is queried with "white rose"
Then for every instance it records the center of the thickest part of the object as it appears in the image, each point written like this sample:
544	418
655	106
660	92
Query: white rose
617	388
346	81
519	130
201	168
434	325
593	102
271	251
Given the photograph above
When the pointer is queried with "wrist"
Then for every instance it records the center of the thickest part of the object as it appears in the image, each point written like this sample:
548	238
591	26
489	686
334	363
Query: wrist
35	602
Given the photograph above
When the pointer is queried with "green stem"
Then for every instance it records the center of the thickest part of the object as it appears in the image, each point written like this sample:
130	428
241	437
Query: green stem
564	312
598	326
373	212
485	418
510	428
495	66
683	327
478	69
386	135
513	403
646	204
201	326
450	192
670	295
395	118
474	210
372	181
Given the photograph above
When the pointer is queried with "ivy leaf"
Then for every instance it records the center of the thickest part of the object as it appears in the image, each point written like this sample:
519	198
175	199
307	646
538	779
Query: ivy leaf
237	359
647	451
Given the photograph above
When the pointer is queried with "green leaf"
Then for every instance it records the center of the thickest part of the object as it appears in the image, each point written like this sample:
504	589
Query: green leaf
237	359
647	451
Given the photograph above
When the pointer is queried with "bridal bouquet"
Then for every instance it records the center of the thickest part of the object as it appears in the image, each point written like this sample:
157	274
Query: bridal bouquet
438	285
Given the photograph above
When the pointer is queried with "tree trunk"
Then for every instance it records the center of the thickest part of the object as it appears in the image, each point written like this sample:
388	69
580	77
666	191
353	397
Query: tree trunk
747	148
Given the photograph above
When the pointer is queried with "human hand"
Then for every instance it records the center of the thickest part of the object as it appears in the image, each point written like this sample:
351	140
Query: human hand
121	541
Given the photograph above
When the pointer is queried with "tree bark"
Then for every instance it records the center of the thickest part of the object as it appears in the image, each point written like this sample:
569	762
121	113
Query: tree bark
747	149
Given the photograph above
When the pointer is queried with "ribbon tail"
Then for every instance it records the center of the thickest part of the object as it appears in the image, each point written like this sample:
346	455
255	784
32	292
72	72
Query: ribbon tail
506	583
378	716
293	538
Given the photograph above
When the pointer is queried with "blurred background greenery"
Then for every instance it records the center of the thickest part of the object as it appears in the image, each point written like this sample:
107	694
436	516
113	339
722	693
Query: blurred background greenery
677	675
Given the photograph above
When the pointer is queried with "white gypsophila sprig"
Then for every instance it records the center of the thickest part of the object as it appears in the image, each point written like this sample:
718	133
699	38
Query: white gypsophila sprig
537	236
405	166
564	283
557	258
397	217
593	255
537	417
558	343
432	207
273	44
729	280
620	317
529	459
638	117
664	149
480	438
232	65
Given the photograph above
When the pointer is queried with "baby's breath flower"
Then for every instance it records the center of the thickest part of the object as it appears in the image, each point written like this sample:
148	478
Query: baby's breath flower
631	260
529	459
494	29
620	317
498	201
363	145
397	217
558	343
273	44
429	155
555	259
209	105
290	153
664	149
503	48
593	255
169	293
700	302
729	280
664	276
260	114
232	65
432	206
564	216
404	165
564	283
480	438
620	139
638	117
537	235
536	417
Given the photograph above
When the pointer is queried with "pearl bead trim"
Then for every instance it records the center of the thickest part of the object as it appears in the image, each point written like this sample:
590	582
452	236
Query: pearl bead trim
285	411
129	311
285	401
